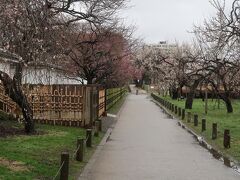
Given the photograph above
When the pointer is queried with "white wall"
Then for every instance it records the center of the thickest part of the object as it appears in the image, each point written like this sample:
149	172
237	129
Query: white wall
32	75
46	76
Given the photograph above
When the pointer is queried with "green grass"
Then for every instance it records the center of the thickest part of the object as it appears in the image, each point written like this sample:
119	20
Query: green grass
41	153
115	109
222	118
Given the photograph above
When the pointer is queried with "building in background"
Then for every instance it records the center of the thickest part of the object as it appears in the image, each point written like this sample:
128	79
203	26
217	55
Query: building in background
163	46
48	74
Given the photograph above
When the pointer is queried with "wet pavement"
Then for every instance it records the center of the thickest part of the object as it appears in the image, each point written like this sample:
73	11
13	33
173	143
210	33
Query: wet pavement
147	145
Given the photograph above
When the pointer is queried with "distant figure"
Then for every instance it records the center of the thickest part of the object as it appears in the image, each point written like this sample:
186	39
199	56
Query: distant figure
137	92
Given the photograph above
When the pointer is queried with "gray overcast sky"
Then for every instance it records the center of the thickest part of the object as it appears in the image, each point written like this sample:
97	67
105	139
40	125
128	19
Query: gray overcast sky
169	20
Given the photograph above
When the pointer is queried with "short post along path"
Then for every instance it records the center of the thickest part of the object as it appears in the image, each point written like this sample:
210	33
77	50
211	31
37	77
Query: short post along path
146	145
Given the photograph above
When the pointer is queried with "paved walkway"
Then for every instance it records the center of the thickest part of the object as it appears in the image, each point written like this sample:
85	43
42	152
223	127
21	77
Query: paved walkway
146	145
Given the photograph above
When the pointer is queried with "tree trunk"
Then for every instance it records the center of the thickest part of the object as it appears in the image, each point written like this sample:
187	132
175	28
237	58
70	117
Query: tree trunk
13	87
191	94
174	93
189	100
89	80
228	104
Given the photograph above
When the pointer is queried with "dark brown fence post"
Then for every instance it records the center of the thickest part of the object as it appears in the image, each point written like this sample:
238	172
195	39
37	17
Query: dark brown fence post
89	138
179	112
227	138
105	102
214	131
195	120
189	117
80	150
97	127
203	125
91	106
100	124
64	166
183	114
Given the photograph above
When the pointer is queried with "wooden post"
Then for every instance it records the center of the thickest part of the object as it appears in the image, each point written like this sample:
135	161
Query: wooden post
214	131
189	117
91	106
80	150
179	112
227	139
206	101
203	125
195	120
100	124
183	114
176	109
105	103
65	166
89	138
97	124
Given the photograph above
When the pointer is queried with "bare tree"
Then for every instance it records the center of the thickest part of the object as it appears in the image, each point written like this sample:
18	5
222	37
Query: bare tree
32	29
219	43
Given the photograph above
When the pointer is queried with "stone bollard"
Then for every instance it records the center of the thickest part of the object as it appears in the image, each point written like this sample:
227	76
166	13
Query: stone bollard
64	166
80	150
183	114
214	131
189	117
195	120
227	139
203	125
89	138
179	112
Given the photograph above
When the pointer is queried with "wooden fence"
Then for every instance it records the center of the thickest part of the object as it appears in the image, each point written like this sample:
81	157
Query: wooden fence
70	105
6	104
113	96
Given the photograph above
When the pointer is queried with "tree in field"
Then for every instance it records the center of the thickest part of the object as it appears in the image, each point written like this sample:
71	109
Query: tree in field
220	51
32	30
100	55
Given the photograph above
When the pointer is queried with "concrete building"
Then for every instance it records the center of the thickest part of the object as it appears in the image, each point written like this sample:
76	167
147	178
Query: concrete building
162	46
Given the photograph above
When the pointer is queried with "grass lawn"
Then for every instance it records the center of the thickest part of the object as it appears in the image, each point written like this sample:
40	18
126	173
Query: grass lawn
115	109
39	155
222	118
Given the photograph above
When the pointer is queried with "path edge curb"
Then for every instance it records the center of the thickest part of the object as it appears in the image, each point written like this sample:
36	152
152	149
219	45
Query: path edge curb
202	142
85	174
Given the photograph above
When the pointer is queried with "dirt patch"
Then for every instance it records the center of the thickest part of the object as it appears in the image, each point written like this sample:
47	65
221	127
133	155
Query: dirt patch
15	166
6	131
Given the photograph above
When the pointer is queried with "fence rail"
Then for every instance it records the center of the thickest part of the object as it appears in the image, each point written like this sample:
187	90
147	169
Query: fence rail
114	95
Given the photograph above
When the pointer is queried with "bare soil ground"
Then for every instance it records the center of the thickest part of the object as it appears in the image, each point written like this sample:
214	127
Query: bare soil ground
15	166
